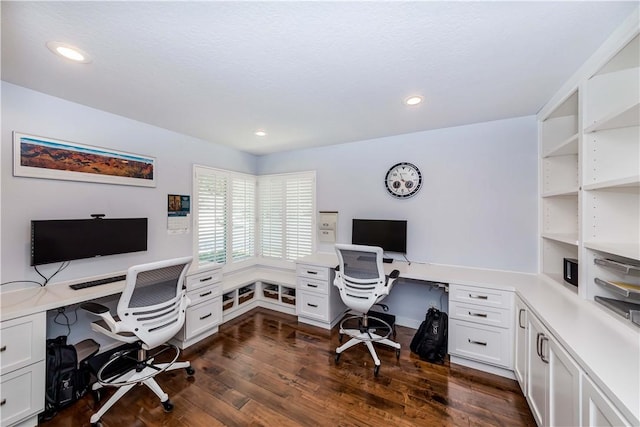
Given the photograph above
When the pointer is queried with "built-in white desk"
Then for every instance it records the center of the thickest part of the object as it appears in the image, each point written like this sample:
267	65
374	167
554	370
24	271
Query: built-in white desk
606	349
39	299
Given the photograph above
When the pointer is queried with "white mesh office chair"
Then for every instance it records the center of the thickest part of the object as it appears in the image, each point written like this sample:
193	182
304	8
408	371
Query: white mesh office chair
151	311
362	283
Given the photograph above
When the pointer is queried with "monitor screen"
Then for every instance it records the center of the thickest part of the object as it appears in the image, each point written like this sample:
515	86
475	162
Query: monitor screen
70	239
390	235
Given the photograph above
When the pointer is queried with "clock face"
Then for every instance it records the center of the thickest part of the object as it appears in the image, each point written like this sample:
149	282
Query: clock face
403	180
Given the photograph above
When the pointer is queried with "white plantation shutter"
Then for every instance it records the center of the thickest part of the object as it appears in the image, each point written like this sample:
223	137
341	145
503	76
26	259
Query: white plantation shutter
271	208
243	196
211	215
287	215
226	208
299	214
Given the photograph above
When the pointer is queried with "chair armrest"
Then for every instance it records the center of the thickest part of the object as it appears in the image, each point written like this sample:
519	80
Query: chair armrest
103	312
94	308
391	279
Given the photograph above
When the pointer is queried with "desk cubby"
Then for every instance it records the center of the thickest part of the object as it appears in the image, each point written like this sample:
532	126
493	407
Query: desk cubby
239	297
228	300
246	294
279	297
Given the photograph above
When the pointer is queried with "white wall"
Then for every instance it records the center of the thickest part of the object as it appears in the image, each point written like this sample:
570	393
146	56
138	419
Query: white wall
24	199
477	206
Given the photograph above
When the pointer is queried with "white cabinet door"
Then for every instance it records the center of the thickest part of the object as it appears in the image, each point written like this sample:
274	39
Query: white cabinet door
564	386
597	410
537	371
553	379
520	354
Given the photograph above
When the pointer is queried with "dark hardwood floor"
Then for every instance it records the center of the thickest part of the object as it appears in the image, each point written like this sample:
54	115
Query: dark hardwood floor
266	369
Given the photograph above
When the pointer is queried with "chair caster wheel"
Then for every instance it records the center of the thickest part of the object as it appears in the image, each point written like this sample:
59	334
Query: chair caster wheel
190	371
97	424
376	370
397	354
167	406
340	337
97	396
337	358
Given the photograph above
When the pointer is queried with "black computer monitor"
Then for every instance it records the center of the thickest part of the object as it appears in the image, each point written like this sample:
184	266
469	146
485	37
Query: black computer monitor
70	239
390	235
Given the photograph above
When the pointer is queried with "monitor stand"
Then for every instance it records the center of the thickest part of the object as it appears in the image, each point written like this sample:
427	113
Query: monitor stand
387	260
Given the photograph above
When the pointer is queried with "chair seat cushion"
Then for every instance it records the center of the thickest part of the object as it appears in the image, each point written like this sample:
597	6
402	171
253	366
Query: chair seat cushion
386	317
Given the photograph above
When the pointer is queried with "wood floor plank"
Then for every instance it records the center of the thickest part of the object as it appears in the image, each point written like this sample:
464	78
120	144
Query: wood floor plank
266	369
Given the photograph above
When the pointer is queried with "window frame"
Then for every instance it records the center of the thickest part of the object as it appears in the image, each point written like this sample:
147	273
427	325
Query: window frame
257	257
283	261
229	262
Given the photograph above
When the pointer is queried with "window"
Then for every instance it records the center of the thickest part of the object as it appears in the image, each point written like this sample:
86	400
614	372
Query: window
287	215
243	217
224	215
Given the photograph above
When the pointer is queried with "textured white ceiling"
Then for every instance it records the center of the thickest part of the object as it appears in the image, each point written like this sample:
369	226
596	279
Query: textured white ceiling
310	73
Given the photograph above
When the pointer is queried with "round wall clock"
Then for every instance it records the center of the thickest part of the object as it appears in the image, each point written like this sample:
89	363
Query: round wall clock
403	180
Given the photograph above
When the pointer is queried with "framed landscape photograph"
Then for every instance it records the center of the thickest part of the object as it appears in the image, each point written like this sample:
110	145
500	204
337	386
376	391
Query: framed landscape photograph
41	157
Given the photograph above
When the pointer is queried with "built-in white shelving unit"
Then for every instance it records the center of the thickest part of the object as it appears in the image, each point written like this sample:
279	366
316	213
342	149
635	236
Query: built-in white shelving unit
590	175
560	177
611	185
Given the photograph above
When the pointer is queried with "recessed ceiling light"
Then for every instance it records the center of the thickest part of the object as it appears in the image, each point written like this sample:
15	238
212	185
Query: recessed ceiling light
260	132
69	52
413	100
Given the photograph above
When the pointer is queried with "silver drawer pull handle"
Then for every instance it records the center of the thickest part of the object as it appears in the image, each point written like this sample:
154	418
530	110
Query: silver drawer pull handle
205	316
312	286
542	340
478	296
3	348
312	305
3	402
312	272
477	342
477	314
206	293
206	278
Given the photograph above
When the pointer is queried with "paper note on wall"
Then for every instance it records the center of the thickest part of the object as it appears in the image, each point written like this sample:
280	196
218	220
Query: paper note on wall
178	214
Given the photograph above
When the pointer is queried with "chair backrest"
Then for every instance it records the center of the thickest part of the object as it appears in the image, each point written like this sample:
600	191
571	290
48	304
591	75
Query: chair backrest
360	278
154	301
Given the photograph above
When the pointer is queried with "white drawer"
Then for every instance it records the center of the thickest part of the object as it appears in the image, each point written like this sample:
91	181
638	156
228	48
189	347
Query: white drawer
312	271
205	278
480	314
203	317
483	343
22	393
203	294
313	306
481	296
313	285
22	342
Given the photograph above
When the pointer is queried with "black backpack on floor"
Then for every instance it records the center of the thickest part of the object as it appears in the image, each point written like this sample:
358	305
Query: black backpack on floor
430	342
65	383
